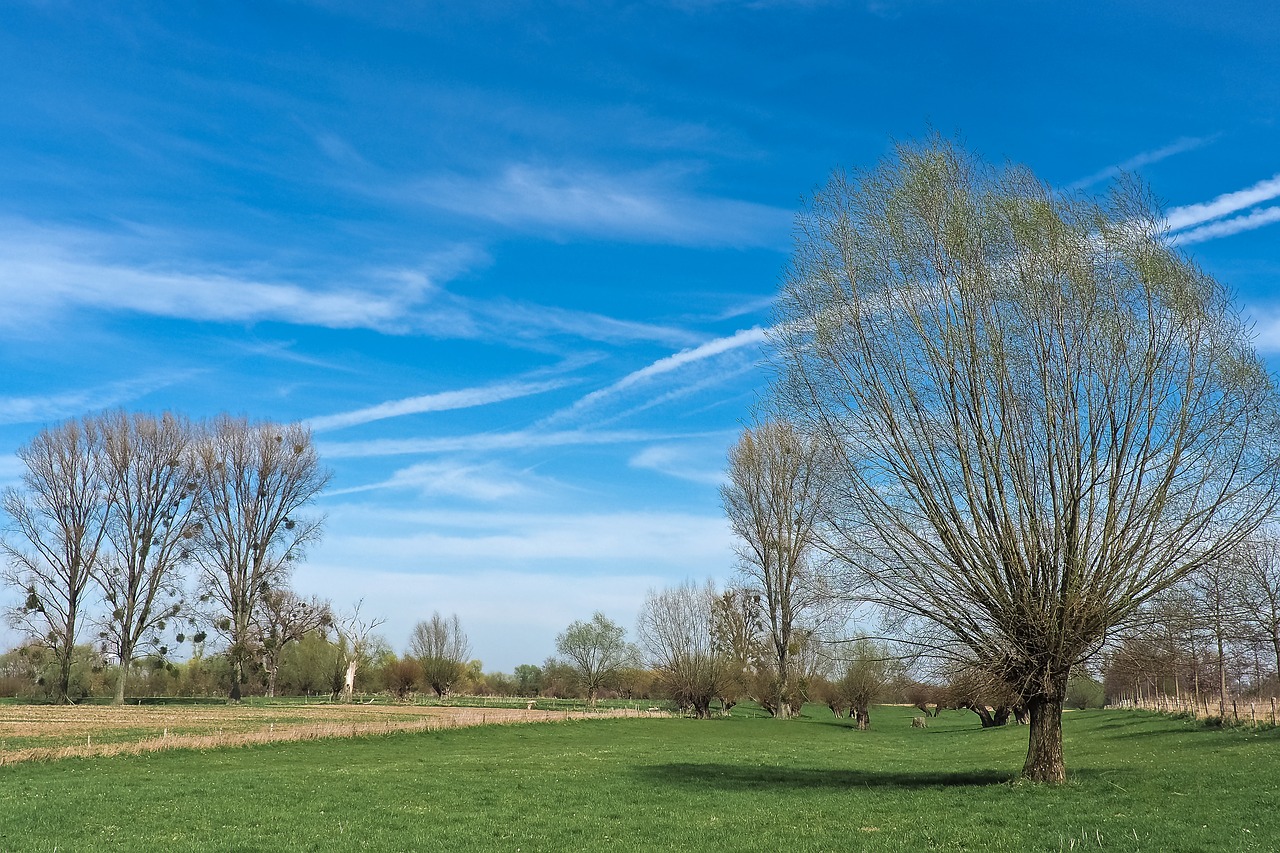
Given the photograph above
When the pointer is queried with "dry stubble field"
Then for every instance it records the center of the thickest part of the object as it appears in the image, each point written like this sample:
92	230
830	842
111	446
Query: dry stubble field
44	732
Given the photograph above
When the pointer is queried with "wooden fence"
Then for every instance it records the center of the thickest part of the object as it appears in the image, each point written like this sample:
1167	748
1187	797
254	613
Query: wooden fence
1250	712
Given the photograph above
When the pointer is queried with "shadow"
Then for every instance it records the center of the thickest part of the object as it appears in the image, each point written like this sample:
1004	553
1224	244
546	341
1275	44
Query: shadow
745	777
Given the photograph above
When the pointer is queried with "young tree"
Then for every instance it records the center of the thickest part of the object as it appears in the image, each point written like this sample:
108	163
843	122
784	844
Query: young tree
149	466
596	650
1043	414
442	650
774	500
675	633
58	532
254	478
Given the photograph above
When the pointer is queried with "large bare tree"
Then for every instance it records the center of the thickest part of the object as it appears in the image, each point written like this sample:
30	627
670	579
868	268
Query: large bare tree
773	500
149	466
58	530
255	478
1044	414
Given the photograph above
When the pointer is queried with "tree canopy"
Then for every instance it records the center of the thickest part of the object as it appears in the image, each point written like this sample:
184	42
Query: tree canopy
1043	414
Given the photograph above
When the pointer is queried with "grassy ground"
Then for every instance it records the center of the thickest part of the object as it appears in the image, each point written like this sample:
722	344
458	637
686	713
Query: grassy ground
1138	782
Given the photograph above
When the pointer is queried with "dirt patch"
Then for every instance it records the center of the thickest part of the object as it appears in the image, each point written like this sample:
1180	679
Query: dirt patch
42	733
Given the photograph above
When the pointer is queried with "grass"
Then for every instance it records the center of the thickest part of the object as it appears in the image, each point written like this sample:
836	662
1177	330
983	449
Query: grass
1137	782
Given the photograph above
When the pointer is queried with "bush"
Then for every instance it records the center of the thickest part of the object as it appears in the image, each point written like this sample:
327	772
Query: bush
1083	692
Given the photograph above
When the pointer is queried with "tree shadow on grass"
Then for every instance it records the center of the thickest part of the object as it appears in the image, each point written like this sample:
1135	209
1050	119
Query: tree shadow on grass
745	777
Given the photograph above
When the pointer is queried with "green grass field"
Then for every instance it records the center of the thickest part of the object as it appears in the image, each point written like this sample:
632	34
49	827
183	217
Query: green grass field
1137	782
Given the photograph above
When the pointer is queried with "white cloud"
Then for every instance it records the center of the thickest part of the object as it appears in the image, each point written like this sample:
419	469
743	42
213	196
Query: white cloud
55	407
1190	215
698	464
1146	158
525	321
422	539
488	482
11	470
463	398
747	337
48	272
1227	227
638	206
479	442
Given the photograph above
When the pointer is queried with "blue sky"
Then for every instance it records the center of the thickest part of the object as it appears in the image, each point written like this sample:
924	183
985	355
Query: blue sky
513	261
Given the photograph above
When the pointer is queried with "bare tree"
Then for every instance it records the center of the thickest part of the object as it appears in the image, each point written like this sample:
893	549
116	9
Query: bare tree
773	500
149	466
737	630
1260	561
863	669
1217	591
596	651
281	618
442	649
355	632
254	478
674	631
1044	415
58	530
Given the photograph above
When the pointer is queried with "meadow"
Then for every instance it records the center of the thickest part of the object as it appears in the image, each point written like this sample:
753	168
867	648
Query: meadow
1138	782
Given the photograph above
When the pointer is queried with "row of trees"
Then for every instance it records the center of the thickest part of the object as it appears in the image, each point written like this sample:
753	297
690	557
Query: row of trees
1214	636
141	526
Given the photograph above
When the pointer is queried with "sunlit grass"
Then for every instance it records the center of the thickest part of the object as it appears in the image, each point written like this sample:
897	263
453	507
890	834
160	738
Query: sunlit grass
1137	782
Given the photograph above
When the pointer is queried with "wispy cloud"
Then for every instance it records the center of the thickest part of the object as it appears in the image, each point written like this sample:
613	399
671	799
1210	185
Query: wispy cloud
645	207
745	338
462	398
524	320
1146	158
1191	215
1227	227
65	404
480	442
697	464
487	483
49	271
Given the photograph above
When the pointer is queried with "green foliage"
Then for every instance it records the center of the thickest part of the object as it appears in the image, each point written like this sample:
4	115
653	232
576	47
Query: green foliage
743	783
528	680
1083	692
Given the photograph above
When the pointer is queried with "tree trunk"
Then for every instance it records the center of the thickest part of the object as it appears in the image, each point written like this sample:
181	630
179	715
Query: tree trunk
984	714
349	681
237	673
124	676
864	718
1044	748
1222	679
1275	645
